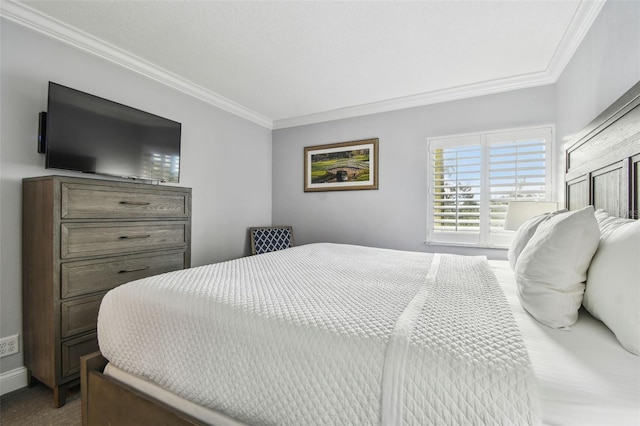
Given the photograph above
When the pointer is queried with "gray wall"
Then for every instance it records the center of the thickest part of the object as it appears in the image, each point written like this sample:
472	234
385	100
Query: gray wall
606	64
225	159
394	216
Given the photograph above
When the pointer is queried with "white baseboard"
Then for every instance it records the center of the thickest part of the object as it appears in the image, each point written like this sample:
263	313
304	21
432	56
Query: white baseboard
13	380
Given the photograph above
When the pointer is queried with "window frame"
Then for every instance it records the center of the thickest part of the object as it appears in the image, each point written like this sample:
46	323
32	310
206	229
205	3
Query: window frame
485	237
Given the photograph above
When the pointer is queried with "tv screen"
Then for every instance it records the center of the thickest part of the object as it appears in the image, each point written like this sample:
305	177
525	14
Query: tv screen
93	135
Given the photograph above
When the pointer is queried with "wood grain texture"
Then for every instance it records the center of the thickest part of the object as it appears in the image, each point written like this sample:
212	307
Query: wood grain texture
601	162
38	291
99	239
577	193
79	315
88	276
108	201
635	187
608	146
82	237
93	362
108	402
607	120
610	188
72	350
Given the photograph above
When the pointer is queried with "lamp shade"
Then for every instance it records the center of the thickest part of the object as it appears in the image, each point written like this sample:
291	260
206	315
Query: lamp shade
519	211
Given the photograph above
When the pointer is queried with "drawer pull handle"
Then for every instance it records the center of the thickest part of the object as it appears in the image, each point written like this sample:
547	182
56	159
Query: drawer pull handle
131	237
135	203
126	271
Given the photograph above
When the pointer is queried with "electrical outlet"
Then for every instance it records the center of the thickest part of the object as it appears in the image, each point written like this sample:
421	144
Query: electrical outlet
9	346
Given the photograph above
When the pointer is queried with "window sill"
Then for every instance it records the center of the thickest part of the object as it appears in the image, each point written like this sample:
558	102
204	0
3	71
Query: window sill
452	244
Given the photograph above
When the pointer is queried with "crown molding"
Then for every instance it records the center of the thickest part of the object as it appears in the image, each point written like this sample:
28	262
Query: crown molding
36	21
582	20
579	26
423	99
585	15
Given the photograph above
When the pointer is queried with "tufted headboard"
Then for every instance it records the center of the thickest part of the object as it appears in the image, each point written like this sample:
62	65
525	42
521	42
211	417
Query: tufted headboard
603	160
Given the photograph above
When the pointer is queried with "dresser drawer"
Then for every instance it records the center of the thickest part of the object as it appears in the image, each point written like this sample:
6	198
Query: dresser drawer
95	239
79	315
91	276
72	350
99	201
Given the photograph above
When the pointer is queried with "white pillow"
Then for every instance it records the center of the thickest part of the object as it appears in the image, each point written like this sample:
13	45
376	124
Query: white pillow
552	267
608	223
613	281
524	234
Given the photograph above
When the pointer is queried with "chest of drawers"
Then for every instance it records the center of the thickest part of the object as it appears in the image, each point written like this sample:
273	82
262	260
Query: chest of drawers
81	238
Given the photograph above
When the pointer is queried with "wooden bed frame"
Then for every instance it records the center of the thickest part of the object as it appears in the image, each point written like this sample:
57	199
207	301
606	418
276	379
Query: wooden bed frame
108	402
602	169
602	161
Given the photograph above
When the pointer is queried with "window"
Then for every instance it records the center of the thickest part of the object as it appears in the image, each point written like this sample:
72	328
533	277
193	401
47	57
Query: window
473	177
161	167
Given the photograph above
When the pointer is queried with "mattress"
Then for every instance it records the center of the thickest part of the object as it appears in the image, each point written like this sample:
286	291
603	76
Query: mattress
583	375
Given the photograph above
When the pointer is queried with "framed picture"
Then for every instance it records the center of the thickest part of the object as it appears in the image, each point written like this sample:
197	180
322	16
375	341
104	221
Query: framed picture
341	166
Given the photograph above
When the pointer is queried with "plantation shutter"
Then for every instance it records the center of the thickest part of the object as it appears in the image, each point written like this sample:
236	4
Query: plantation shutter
473	178
456	190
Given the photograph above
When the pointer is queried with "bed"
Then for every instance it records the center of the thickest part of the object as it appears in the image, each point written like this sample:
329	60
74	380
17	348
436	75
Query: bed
302	336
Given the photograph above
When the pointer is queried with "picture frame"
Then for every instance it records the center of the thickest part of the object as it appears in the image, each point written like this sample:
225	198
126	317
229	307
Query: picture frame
341	166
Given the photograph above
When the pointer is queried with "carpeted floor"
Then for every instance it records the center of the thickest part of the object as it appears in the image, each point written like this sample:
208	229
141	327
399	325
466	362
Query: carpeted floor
34	407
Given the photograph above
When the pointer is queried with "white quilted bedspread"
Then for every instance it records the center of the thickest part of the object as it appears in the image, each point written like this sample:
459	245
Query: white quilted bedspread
328	334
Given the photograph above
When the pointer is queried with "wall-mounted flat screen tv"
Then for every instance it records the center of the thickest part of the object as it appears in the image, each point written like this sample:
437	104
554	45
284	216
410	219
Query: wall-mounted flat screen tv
89	134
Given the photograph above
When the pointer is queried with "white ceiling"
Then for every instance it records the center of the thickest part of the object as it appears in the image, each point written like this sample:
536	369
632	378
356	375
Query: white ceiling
282	64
